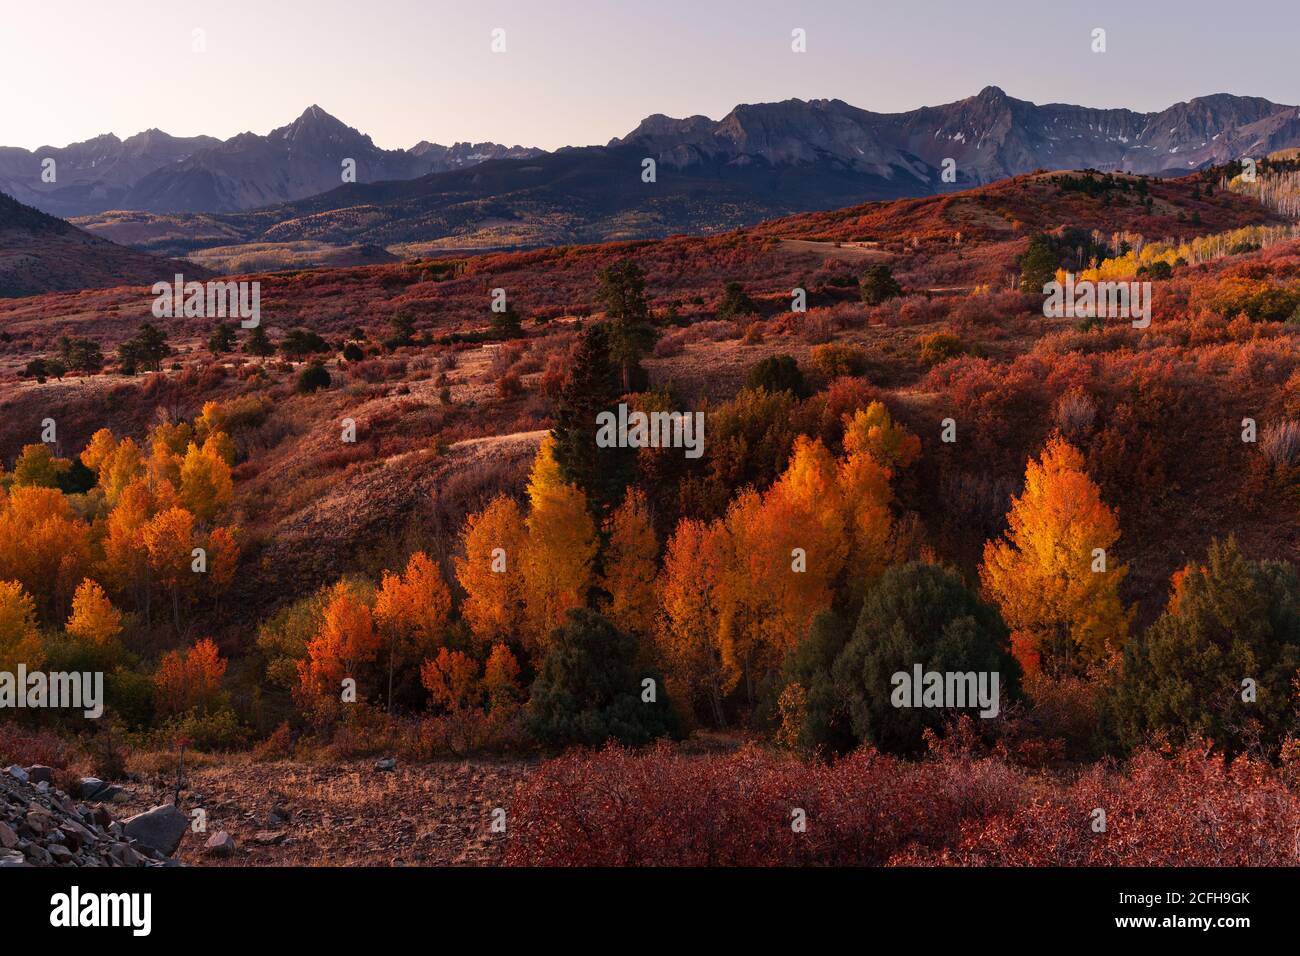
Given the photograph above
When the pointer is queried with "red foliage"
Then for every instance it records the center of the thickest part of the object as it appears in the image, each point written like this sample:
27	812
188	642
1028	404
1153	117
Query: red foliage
615	808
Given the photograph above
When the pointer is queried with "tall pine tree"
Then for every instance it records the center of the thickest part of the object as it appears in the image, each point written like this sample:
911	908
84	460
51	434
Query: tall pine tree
593	386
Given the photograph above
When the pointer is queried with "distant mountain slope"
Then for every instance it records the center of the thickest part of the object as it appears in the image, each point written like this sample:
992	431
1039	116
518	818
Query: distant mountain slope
93	175
1016	207
156	172
39	254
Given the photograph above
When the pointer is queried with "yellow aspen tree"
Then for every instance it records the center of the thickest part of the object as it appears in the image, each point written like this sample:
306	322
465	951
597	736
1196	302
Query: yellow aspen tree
37	467
94	619
1052	575
101	446
20	642
168	442
491	572
205	486
872	431
559	551
120	467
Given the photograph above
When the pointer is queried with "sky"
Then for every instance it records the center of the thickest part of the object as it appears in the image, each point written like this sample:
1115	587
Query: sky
577	72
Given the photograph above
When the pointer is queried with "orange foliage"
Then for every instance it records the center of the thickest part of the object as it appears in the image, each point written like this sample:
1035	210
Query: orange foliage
451	679
346	640
94	619
188	680
491	571
1052	576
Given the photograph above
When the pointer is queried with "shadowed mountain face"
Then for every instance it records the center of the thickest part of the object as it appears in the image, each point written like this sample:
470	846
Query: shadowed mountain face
39	253
158	173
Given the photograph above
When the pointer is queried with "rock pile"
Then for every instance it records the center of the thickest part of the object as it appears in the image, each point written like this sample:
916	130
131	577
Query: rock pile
41	825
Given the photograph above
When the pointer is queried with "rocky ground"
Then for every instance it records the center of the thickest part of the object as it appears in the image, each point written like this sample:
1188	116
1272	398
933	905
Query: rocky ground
40	825
359	813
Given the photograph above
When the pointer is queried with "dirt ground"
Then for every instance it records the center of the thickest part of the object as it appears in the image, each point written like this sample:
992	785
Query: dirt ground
292	813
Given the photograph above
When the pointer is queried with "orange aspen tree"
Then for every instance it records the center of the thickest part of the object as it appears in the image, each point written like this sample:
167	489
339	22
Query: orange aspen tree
629	574
189	680
346	640
126	557
1052	575
492	571
44	546
695	569
411	610
451	679
169	539
223	559
501	676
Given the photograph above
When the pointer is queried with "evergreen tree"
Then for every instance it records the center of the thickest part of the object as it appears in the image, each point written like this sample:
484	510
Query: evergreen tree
222	339
879	284
631	334
1230	621
508	324
147	348
590	688
603	474
258	344
917	614
1038	265
735	302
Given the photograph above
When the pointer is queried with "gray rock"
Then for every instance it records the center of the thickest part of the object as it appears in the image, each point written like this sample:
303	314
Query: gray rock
77	835
17	772
92	788
39	773
11	858
221	843
160	828
8	838
385	764
268	838
59	853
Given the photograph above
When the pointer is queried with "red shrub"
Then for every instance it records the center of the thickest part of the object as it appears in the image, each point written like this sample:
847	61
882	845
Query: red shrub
615	808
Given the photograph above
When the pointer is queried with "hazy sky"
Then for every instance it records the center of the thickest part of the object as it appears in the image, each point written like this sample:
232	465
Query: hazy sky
582	71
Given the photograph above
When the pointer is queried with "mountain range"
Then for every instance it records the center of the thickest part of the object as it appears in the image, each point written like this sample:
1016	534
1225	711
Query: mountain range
155	172
758	162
